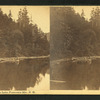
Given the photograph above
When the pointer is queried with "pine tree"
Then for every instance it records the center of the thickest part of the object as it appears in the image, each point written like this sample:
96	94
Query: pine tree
10	14
95	17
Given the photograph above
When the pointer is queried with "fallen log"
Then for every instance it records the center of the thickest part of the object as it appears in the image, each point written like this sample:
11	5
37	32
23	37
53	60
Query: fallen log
17	59
77	59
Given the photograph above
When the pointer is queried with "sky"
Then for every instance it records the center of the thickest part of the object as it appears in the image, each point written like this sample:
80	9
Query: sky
40	15
87	10
78	9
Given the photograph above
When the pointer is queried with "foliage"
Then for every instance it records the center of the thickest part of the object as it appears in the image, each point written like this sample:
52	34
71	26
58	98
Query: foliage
73	34
21	38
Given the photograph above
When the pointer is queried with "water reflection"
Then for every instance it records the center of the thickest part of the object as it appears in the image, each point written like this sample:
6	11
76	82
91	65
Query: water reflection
44	85
76	75
22	75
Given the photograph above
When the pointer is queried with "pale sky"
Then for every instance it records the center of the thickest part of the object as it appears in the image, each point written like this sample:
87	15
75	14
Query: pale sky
87	10
78	9
40	15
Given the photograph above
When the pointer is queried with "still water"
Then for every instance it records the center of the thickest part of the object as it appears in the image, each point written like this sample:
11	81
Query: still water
80	75
28	73
44	84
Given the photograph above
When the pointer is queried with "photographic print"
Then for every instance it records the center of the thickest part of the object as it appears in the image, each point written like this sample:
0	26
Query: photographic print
44	49
75	48
24	48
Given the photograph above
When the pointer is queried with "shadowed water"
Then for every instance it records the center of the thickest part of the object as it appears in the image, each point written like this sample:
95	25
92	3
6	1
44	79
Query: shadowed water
22	75
75	75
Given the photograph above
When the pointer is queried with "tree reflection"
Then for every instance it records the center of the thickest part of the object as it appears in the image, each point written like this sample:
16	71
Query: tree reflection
77	75
22	75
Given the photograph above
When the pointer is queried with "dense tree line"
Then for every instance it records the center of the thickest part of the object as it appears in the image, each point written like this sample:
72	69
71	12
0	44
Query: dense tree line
21	37
74	35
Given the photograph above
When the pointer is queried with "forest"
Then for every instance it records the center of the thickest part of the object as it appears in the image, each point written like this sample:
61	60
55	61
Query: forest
21	37
74	35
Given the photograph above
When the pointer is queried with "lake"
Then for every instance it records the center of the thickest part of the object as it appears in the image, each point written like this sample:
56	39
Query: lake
24	74
75	75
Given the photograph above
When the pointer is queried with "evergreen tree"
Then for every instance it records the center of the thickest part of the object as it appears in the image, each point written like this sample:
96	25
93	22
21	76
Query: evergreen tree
18	38
10	14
